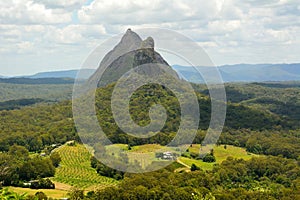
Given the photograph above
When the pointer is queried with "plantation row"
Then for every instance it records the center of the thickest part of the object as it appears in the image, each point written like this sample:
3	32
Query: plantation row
75	169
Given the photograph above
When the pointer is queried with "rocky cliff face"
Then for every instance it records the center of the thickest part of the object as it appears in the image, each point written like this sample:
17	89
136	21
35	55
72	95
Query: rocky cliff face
131	52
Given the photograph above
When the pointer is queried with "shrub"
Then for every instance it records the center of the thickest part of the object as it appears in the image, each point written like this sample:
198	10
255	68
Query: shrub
194	167
209	158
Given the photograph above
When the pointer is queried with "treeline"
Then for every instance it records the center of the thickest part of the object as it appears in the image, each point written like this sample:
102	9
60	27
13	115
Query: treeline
18	167
104	170
272	142
17	104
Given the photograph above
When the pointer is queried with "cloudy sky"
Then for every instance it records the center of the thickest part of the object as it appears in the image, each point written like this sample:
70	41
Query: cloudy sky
47	35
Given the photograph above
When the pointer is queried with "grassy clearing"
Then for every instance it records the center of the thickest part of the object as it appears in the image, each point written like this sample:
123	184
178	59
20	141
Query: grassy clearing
144	154
57	194
75	169
220	153
146	148
199	163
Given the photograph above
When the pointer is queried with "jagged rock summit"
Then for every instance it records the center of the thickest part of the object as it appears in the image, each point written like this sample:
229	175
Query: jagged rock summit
129	53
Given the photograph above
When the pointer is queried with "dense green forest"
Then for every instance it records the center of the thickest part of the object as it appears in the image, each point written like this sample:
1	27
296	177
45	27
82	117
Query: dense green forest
47	92
17	104
38	126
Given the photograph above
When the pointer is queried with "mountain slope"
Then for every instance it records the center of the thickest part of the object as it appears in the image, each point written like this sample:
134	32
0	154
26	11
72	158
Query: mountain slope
129	53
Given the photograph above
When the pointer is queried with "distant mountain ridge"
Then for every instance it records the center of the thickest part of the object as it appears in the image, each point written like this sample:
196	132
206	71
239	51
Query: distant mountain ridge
245	72
37	81
85	73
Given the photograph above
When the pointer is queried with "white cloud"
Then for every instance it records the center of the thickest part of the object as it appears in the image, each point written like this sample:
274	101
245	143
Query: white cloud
66	4
29	12
76	34
149	11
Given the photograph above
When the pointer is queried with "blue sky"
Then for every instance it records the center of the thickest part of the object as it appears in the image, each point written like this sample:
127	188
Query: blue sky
47	35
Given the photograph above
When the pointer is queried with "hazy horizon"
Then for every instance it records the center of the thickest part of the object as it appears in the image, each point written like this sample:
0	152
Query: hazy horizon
61	70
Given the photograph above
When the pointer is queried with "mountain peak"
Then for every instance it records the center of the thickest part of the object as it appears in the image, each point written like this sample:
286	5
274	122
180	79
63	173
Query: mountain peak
148	43
131	38
131	52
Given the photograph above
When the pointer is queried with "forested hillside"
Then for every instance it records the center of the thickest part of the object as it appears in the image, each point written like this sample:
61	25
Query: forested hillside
42	125
47	92
255	122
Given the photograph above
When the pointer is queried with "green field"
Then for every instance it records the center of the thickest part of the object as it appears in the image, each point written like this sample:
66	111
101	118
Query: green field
220	153
145	154
75	169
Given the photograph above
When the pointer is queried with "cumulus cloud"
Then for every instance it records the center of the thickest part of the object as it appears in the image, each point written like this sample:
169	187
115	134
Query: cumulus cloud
231	31
65	4
148	11
30	12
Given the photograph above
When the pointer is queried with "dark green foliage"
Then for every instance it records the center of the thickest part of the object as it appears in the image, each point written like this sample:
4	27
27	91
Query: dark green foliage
42	184
104	170
76	194
19	152
209	158
37	127
55	158
17	104
194	167
36	167
233	95
16	166
8	169
41	196
140	103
